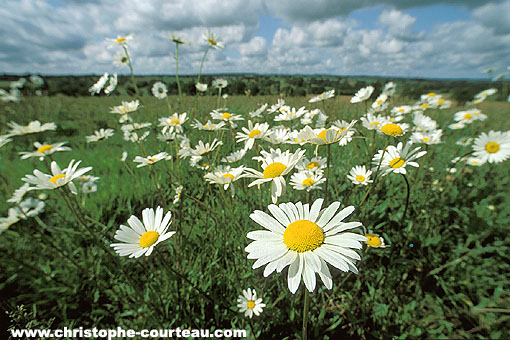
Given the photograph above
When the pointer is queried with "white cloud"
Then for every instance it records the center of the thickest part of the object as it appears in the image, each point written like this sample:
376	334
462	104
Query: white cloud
398	24
495	15
256	47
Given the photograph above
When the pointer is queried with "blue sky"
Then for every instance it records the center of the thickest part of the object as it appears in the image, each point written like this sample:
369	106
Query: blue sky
421	38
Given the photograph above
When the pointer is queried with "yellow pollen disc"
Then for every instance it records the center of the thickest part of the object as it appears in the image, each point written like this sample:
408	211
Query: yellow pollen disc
373	240
392	129
374	123
254	133
400	110
379	102
397	162
123	109
120	40
342	129
44	148
424	105
274	170
312	165
175	121
54	179
251	304
227	176
149	238
426	139
226	115
83	178
440	101
152	159
360	178
308	182
212	41
303	235
468	115
322	134
431	94
492	147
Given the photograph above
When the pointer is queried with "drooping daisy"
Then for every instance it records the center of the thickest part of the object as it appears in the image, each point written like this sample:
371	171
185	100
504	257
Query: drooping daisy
307	180
98	86
323	96
58	178
173	123
159	90
389	88
32	127
258	112
100	134
120	59
253	132
209	126
112	84
315	164
44	150
219	83
12	218
427	137
249	304
31	207
396	158
363	94
150	160
177	40
140	238
275	164
360	175
18	194
305	239
212	39
493	147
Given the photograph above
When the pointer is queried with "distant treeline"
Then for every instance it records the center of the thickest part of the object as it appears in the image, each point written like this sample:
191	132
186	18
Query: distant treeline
289	85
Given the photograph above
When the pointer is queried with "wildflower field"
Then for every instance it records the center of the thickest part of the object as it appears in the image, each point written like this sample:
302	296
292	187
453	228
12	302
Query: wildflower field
213	211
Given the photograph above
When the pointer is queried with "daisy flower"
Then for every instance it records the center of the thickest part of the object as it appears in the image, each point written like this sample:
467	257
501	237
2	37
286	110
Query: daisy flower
343	125
219	83
464	117
464	141
323	96
126	107
58	178
275	164
378	104
389	88
258	112
276	107
375	241
159	90
209	126
485	93
18	194
393	129
32	127
100	134
98	86
4	139
30	207
423	123
225	175
493	147
277	136
326	136
111	85
374	122
201	87
44	150
140	238
305	239
396	158
315	164
456	126
150	160
253	132
476	161
12	218
249	304
36	80
120	40
234	156
120	59
363	94
226	116
288	113
307	180
360	175
401	110
212	39
427	137
200	150
173	123
178	192
178	40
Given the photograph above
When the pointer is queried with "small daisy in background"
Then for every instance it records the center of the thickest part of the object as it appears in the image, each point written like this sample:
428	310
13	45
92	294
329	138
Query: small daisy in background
396	158
120	40
201	87
323	96
101	134
375	241
464	141
150	160
224	115
315	164
120	59
159	90
140	238
112	84
226	176
249	304
219	83
427	137
32	127
360	175
393	129
209	126
362	94
213	40
173	123
235	156
253	132
44	150
307	180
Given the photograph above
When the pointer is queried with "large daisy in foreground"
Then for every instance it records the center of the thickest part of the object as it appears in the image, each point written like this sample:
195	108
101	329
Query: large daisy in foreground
493	147
305	239
140	238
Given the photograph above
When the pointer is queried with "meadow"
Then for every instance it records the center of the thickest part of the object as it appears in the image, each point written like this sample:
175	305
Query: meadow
442	270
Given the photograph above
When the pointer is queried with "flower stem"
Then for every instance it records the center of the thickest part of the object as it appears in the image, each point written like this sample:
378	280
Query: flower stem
177	72
132	73
306	306
407	197
375	176
327	173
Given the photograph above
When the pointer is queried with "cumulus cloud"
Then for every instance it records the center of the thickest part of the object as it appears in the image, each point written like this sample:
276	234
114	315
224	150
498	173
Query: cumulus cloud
495	16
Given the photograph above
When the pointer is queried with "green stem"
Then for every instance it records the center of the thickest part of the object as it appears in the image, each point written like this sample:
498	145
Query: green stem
407	197
202	64
375	176
131	70
306	306
177	72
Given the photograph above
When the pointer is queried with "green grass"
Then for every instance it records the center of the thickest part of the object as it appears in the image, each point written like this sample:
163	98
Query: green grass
445	273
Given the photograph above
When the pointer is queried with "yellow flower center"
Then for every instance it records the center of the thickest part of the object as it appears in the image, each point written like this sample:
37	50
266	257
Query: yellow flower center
360	178
226	115
322	134
303	235
431	94
400	110
308	182
312	165
251	304
379	101
440	101
123	109
392	129
468	116
373	240
212	41
274	170
120	40
55	178
149	238
492	147
254	133
44	148
227	176
426	139
175	121
397	162
374	123
152	160
207	126
424	105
